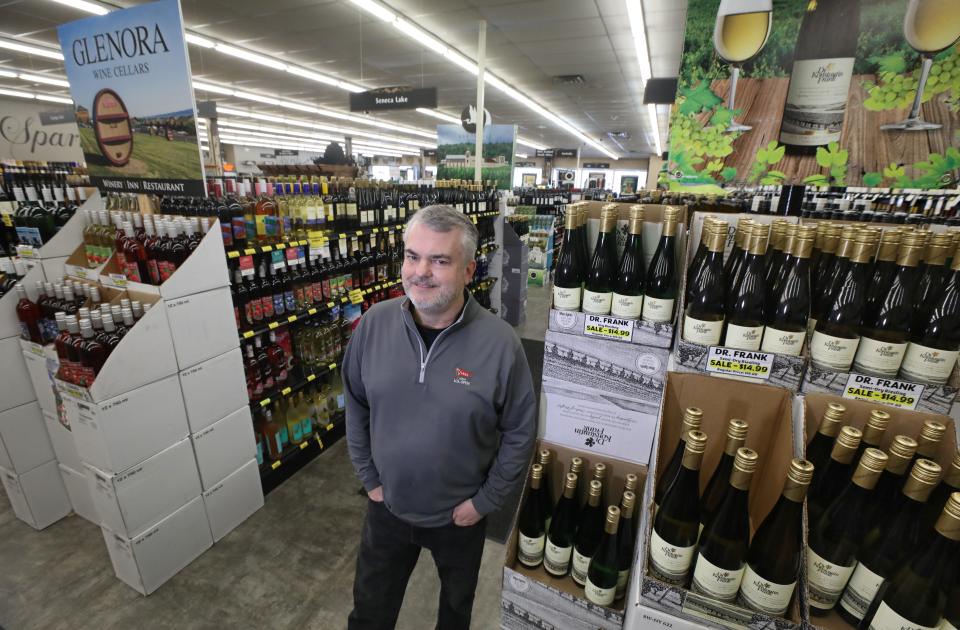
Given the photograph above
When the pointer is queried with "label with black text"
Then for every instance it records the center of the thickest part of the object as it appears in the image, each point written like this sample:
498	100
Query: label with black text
721	360
902	394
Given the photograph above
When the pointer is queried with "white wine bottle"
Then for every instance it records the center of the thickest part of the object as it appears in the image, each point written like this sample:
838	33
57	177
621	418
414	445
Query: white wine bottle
692	417
949	485
773	562
531	537
626	538
788	304
914	597
775	254
719	482
706	293
899	458
660	285
701	252
576	467
829	481
722	550
559	545
928	442
935	341
545	457
837	534
734	262
892	536
824	253
820	77
676	526
628	282
746	298
873	431
598	290
589	531
602	574
884	268
568	276
819	448
600	474
631	482
831	274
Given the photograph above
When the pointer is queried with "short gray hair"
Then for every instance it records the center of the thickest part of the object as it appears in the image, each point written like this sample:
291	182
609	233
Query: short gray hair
439	218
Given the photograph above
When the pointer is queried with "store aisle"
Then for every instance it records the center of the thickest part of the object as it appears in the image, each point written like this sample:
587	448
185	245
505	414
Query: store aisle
291	565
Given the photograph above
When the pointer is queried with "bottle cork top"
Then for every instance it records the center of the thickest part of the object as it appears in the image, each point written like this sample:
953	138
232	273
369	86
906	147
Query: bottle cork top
596	488
933	430
631	481
613	518
901	452
737	429
599	470
536	471
800	471
545	456
628	501
576	465
570	482
636	212
926	471
746	460
692	417
696	441
849	437
873	459
879	419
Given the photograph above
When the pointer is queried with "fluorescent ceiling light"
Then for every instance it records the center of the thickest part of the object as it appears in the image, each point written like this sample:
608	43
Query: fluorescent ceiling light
209	87
6	74
250	56
54	99
257	98
31	50
350	87
270	131
528	143
37	78
638	29
200	41
414	32
376	9
313	76
462	61
17	93
440	115
522	156
82	5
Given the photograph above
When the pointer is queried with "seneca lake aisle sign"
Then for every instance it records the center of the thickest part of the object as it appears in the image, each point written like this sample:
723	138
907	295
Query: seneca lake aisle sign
133	99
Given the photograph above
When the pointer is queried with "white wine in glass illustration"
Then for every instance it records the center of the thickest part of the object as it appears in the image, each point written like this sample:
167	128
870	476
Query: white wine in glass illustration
930	27
739	34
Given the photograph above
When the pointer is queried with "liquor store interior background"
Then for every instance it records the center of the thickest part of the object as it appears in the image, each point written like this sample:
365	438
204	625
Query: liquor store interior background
723	236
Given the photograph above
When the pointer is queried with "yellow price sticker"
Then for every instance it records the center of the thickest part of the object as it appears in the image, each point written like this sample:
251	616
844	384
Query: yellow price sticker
312	311
268	248
292	318
343	235
311	377
376	230
330	304
275	465
320	442
330	427
303	445
233	254
344	300
264	402
304	243
286	391
247	334
332	367
273	325
250	251
359	232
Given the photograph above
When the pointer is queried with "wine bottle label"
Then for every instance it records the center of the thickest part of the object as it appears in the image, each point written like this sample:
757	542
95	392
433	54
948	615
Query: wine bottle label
783	342
556	560
657	310
714	581
835	353
670	563
566	299
860	591
816	101
879	357
579	568
598	595
627	306
743	337
946	625
530	550
825	580
702	332
928	365
763	595
597	303
889	619
622	578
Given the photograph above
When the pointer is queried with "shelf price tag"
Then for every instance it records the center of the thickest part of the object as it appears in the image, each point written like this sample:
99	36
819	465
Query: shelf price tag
329	427
312	311
605	327
311	377
250	251
119	280
247	334
332	367
886	391
286	391
303	445
267	248
292	318
264	402
330	304
233	254
275	465
273	325
320	442
731	362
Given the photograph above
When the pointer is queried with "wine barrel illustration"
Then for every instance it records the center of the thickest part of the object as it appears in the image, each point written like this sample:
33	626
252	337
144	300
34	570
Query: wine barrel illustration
111	124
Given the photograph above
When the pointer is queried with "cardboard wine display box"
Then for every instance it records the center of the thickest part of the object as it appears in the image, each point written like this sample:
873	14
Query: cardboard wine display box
16	389
24	443
769	412
534	599
233	500
79	492
38	497
902	422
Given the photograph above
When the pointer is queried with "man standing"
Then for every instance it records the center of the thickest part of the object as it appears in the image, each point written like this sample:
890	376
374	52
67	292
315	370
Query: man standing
440	424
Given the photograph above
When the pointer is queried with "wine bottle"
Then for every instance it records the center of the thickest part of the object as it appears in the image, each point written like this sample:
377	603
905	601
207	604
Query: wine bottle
628	282
819	448
824	251
598	288
781	232
600	474
828	482
899	457
568	275
723	546
626	539
831	275
531	535
576	467
892	536
838	532
602	574
745	299
773	562
739	252
589	531
692	417
582	219
676	525
949	485
700	254
631	482
928	442
660	285
884	268
933	273
545	457
885	329
873	431
935	342
704	312
951	612
835	339
820	77
788	305
914	597
559	547
719	482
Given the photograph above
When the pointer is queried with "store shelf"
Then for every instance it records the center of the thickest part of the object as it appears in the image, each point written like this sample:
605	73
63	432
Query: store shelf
327	234
272	474
293	386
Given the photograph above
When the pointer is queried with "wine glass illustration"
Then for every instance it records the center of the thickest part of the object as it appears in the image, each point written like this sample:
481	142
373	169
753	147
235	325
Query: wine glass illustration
739	34
930	26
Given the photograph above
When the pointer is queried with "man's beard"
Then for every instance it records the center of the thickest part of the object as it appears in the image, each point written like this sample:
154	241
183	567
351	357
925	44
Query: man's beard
438	304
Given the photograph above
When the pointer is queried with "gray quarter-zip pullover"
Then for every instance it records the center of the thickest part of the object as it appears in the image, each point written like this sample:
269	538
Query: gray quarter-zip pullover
437	427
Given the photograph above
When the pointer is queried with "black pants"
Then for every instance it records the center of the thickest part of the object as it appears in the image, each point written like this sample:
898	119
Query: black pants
388	554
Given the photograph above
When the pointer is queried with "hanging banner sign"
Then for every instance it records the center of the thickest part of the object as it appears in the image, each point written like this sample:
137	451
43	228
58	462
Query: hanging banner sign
545	153
571	153
596	165
130	80
38	131
393	98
